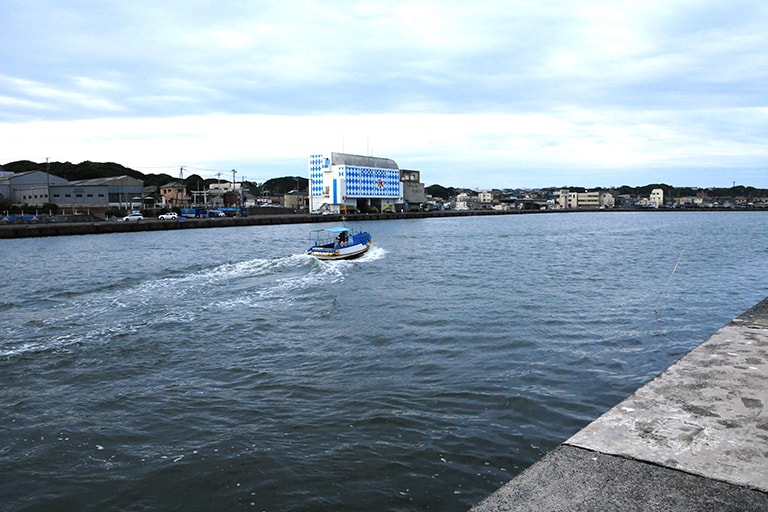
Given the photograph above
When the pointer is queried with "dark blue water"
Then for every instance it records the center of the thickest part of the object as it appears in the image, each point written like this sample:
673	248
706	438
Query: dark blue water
222	369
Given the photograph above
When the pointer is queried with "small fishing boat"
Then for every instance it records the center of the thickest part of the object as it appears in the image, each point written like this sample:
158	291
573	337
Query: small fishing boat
338	243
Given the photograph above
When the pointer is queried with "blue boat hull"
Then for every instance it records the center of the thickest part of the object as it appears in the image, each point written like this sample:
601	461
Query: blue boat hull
354	247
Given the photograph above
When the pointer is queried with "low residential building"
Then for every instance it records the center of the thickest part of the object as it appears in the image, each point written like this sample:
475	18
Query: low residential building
625	201
295	200
174	194
688	201
225	186
485	197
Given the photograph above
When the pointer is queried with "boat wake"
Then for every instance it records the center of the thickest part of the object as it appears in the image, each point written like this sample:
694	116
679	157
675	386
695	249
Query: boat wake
373	254
267	288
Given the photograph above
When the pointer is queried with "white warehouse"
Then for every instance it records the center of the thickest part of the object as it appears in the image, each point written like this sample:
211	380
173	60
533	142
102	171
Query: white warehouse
344	181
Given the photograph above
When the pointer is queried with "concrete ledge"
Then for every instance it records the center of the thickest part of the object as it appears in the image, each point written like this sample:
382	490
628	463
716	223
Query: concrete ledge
694	438
574	479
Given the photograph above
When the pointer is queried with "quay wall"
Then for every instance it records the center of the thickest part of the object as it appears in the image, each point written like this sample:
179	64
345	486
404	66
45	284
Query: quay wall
695	438
150	224
39	229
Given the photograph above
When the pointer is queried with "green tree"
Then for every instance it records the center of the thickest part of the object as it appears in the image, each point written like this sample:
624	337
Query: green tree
440	191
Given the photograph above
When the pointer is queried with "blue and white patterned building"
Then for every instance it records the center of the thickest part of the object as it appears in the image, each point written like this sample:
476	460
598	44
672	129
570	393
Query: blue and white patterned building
352	181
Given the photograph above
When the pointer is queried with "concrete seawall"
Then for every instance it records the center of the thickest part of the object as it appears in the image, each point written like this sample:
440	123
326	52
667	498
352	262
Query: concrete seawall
263	219
693	439
151	224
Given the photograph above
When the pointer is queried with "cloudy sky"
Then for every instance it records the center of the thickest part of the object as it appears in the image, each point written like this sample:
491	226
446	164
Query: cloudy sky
517	93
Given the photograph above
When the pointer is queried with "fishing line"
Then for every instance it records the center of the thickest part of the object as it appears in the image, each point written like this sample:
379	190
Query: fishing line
669	281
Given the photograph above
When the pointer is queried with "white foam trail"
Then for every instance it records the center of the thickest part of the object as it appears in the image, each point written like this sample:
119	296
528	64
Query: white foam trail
273	284
373	254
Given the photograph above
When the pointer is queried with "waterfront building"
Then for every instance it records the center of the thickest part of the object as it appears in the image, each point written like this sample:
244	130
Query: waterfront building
607	200
657	198
594	199
413	189
36	188
485	197
343	182
30	188
116	191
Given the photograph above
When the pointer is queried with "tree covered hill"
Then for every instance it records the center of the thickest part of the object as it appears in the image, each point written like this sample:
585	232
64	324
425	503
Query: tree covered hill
90	170
282	185
86	171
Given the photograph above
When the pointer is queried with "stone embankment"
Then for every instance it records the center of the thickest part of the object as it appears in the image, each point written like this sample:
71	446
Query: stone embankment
693	439
150	224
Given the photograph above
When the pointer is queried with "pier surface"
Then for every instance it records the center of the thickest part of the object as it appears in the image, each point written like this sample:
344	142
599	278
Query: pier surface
693	439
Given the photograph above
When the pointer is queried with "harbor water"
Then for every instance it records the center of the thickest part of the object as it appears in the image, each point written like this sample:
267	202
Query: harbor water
223	369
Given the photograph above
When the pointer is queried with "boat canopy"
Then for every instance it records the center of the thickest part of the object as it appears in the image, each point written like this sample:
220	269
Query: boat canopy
338	229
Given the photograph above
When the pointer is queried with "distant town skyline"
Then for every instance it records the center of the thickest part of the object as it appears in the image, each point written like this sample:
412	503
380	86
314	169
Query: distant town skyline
503	93
225	177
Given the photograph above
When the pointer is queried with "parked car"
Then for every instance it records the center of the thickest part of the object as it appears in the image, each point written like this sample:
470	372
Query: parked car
216	213
134	217
169	216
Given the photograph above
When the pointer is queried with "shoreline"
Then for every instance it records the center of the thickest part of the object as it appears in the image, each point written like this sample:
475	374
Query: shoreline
46	229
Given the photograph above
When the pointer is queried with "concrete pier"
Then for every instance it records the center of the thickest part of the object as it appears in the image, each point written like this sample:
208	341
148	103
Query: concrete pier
693	439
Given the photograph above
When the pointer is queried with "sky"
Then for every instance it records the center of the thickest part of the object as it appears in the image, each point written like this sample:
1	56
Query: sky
492	94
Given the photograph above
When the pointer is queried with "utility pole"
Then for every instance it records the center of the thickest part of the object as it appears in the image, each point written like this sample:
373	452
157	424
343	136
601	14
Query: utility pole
179	185
233	185
241	195
48	180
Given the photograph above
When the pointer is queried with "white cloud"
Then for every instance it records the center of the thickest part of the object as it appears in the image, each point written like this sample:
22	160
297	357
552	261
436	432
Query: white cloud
444	145
516	90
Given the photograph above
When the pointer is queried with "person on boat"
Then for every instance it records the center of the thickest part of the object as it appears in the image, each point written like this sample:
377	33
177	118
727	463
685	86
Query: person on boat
342	238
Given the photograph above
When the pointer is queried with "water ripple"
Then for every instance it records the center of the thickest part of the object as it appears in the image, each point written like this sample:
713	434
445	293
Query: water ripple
420	376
